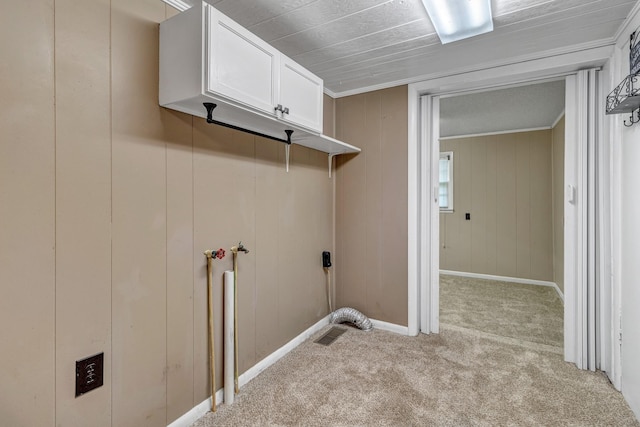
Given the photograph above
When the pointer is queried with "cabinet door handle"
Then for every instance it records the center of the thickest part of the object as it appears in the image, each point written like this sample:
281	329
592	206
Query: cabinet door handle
285	111
278	108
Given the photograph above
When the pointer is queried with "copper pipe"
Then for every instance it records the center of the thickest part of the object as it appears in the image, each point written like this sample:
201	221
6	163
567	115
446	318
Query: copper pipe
235	318
212	356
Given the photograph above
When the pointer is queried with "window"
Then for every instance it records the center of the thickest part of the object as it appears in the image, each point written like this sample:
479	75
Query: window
446	182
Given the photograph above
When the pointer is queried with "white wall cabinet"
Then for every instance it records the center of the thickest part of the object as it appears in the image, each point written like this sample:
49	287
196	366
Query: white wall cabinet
300	95
246	69
240	65
207	57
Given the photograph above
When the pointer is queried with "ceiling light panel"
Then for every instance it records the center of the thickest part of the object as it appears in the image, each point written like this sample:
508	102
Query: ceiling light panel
459	19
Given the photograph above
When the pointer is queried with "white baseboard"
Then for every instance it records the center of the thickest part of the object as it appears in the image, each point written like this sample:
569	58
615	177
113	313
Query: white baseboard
560	293
505	279
390	327
202	408
282	351
197	411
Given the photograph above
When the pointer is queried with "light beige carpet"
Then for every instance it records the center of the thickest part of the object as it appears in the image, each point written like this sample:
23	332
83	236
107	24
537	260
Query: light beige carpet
457	378
523	312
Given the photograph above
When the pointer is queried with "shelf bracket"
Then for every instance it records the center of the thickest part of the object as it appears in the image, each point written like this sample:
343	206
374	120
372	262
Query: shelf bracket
210	106
632	120
287	147
331	156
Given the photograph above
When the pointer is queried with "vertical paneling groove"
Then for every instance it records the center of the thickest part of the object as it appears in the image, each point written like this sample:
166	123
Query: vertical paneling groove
111	296
379	261
372	189
83	204
352	233
523	205
541	211
268	173
374	199
479	207
340	217
504	182
180	251
139	218
27	214
202	241
466	191
507	208
491	207
393	298
179	206
329	129
195	254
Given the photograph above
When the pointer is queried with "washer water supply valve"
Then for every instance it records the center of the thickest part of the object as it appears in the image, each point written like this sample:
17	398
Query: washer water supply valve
218	254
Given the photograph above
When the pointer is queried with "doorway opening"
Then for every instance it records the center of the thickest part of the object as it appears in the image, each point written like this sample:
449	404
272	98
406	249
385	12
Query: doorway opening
587	315
501	182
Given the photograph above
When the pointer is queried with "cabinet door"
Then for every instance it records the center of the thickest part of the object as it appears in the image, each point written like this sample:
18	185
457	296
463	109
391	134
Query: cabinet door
301	92
240	65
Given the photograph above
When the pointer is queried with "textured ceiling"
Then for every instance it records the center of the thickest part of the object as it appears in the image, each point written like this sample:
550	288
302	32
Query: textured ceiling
516	108
358	44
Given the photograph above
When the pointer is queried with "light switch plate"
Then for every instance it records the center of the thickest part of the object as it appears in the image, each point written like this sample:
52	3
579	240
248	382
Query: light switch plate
89	374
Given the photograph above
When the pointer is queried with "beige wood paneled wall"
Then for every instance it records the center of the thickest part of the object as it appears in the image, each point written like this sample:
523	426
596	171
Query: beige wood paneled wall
371	205
82	182
504	182
27	214
107	203
557	135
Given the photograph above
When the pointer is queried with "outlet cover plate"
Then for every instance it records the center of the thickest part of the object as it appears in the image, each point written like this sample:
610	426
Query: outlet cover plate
89	374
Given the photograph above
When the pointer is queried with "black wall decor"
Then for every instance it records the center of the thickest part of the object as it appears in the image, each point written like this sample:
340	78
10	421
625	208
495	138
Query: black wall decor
625	98
634	54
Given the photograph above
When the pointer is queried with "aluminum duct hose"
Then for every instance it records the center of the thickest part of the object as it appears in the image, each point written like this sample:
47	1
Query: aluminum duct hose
351	315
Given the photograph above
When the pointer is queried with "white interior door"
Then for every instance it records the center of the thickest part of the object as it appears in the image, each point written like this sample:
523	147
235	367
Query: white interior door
583	334
430	234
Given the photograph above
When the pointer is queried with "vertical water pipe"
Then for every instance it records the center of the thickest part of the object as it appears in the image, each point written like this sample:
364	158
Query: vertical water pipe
236	387
212	358
211	254
229	349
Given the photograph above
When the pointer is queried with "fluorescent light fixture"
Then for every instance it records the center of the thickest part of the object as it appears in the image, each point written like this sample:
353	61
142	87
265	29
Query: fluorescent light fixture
178	4
459	19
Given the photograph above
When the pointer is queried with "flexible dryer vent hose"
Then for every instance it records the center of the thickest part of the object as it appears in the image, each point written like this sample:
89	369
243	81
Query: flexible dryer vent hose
351	315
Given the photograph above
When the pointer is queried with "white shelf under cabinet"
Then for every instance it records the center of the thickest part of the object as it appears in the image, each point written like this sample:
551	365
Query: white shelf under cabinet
187	74
326	144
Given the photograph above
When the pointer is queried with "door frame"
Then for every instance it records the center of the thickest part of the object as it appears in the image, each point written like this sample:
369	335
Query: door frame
423	104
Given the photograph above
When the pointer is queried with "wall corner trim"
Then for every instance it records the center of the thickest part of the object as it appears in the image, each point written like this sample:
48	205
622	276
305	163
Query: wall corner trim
390	327
202	408
506	279
555	123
